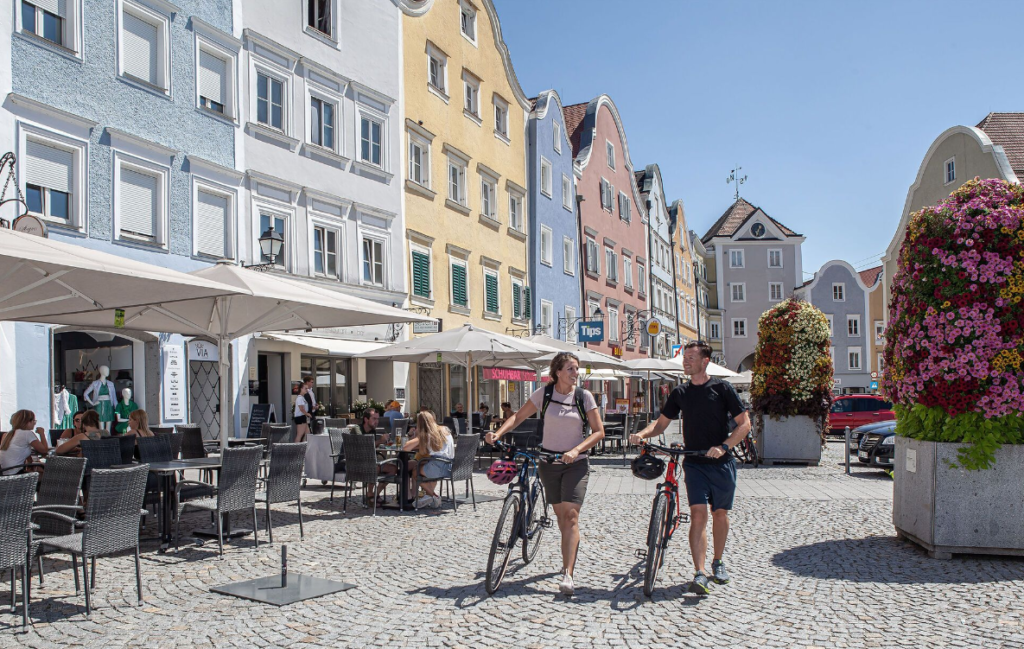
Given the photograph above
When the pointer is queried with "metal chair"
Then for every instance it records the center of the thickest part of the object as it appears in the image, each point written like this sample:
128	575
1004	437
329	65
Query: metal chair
235	492
58	490
284	481
336	436
16	493
111	524
362	465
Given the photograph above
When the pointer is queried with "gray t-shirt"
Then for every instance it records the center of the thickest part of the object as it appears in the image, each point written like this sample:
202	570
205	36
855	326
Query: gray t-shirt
563	429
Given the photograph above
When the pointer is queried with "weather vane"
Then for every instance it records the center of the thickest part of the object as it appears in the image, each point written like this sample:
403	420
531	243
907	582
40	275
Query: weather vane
734	177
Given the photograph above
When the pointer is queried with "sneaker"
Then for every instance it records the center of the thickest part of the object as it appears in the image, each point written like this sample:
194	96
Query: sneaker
718	569
425	501
436	502
700	585
567	587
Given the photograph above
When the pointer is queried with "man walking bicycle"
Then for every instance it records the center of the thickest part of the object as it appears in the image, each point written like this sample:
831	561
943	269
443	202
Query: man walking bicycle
706	405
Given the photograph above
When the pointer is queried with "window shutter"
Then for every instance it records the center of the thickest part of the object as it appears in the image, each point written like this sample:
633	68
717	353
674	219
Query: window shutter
138	203
528	308
420	274
138	48
48	166
212	73
517	301
56	7
459	285
491	291
211	224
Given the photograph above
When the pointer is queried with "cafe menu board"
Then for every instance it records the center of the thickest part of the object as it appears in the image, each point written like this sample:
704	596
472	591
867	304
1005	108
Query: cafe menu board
259	414
174	384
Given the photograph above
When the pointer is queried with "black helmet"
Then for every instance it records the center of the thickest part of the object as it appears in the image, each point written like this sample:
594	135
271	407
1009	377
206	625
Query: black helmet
647	466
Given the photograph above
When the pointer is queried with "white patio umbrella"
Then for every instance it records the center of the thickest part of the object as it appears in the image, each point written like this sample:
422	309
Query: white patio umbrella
263	302
741	379
714	369
660	365
595	360
468	346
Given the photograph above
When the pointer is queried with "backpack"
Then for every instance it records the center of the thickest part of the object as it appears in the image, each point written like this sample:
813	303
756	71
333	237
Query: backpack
578	398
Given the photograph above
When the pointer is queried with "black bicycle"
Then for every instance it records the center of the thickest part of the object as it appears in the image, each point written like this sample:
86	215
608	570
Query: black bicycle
666	514
524	515
746	451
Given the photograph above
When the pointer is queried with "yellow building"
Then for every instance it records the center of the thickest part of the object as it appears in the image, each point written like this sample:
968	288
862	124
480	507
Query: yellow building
685	280
465	179
874	279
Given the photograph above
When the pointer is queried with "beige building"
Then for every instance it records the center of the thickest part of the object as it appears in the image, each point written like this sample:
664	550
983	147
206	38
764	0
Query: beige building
873	279
685	270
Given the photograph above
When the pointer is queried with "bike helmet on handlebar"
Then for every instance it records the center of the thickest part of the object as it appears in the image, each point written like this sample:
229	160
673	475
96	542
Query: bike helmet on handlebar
647	466
502	472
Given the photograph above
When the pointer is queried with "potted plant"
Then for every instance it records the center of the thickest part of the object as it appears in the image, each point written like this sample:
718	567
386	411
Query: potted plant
360	406
954	371
791	383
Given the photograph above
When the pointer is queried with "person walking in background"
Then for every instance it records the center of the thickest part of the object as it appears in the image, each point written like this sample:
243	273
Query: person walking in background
301	414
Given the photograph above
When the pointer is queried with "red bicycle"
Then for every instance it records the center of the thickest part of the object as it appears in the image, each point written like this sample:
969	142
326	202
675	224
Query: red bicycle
666	514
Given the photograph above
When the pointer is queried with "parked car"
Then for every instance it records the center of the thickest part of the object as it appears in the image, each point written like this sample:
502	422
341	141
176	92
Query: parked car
878	447
856	410
857	433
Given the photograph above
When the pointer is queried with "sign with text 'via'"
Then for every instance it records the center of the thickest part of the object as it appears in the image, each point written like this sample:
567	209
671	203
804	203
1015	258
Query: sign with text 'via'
591	331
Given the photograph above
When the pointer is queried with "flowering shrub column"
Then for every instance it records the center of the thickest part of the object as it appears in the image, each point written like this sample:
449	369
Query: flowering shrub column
954	344
792	373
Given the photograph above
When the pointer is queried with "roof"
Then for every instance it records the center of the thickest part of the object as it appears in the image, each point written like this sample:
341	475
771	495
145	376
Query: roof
574	115
734	217
1007	130
639	176
870	276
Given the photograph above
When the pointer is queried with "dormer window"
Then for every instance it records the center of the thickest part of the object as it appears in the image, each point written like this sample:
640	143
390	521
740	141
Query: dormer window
467	19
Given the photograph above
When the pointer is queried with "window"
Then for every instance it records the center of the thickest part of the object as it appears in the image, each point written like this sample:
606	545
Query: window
49	172
880	362
143	48
269	101
774	259
556	136
319	15
518	297
739	292
437	71
716	332
139	204
568	256
609	150
611	264
212	224
460	293
419	161
213	82
853	326
468	21
488	193
325	251
831	328
606	200
950	168
566	192
593	262
371	147
879	332
775	291
570	324
853	358
321	121
545	177
547	317
625	212
500	117
735	259
472	95
627	271
613	325
515	211
457	181
491	301
44	18
739	327
278	223
546	245
421	273
641	279
839	292
373	262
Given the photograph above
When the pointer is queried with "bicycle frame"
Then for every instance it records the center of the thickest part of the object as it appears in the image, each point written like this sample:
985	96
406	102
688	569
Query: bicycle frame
526	484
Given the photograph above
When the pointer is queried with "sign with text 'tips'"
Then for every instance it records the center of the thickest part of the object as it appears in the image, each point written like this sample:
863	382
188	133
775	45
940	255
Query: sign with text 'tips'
591	331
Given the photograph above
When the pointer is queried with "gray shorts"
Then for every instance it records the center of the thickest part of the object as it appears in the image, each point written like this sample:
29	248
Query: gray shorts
565	483
436	470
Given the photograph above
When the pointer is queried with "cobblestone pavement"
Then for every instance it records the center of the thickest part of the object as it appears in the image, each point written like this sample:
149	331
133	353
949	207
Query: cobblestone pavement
807	572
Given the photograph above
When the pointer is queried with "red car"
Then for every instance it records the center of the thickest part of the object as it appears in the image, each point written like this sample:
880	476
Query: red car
856	410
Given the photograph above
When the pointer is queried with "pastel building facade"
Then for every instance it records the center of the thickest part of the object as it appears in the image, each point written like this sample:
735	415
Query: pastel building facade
659	251
685	273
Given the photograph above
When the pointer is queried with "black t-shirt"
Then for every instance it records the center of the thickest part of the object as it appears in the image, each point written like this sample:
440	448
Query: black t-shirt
706	410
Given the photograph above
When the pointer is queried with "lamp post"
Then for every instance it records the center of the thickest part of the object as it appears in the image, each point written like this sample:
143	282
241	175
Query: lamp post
271	243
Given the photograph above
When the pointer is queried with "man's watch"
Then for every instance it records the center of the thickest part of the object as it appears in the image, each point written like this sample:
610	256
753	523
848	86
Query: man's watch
725	447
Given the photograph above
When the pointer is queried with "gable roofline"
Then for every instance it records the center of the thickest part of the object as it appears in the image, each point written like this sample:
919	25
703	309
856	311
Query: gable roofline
540	111
808	286
873	273
777	224
715	231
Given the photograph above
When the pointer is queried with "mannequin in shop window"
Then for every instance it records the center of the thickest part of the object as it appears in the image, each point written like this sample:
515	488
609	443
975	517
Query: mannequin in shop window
122	410
100	397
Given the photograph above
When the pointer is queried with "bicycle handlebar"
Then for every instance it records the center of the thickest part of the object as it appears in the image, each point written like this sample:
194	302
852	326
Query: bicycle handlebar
511	448
674	450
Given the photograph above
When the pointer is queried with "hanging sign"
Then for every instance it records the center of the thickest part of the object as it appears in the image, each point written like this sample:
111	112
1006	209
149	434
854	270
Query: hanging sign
438	357
174	384
507	374
653	327
203	350
119	318
431	327
591	331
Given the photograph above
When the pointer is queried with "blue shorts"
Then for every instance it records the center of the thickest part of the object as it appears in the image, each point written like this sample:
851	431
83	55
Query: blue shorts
434	470
708	483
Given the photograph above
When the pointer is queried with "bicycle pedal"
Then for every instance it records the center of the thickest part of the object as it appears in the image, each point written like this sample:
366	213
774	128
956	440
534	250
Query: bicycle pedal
640	553
546	522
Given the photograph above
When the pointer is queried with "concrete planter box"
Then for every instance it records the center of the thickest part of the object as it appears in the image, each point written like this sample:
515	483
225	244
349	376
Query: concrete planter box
951	511
789	439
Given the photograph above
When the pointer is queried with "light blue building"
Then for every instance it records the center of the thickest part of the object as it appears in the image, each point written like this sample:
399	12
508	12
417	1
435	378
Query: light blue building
554	249
123	118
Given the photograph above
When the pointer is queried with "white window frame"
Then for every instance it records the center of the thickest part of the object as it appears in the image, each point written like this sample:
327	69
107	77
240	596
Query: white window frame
71	28
547	322
340	242
285	78
382	240
468	19
162	22
231	194
461	166
362	112
570	324
613	324
568	256
204	42
742	289
416	140
627	272
556	137
433	52
489	203
546	177
566	192
879	332
501	118
547	245
423	250
852	319
831	325
850	351
948	178
771	291
737	258
840	294
490	272
591	244
331	38
611	264
518	288
716	330
641	278
163	176
516	205
742	322
276	211
609	153
777	251
458	261
336	103
625	208
79	150
879	362
471	96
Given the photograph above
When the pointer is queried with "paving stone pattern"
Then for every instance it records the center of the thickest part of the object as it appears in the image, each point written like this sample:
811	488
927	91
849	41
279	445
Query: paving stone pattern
814	560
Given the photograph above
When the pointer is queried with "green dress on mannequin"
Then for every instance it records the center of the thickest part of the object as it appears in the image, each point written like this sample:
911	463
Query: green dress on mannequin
104	407
123	409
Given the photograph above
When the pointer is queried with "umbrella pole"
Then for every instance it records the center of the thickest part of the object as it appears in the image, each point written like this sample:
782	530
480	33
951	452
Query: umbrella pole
225	389
469	372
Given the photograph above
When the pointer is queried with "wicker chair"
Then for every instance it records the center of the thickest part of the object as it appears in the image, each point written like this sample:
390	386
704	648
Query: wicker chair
111	524
162	430
461	467
277	434
101	453
335	422
284	482
127	448
191	441
159	448
177	439
16	493
58	491
400	427
235	491
362	465
337	454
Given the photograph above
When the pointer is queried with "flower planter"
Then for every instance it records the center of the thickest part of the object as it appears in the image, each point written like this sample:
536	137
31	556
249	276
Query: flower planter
950	510
788	440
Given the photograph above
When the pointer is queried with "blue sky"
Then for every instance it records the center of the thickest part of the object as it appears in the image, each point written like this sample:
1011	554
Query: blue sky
829	107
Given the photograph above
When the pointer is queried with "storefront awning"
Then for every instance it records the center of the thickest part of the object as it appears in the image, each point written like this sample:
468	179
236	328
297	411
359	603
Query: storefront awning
332	346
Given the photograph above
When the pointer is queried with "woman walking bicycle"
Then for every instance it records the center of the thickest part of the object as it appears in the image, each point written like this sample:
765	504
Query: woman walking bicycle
566	411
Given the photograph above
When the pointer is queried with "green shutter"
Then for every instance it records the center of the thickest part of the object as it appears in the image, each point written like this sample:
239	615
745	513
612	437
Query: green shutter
491	293
517	301
459	286
420	274
529	308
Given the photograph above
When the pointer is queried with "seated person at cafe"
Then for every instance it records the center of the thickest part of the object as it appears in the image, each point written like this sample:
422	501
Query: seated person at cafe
394	412
71	432
483	410
17	445
90	430
460	412
138	424
435	449
506	413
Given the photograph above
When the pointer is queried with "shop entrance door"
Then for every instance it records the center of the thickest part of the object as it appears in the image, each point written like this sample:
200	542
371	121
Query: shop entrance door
204	397
270	368
431	384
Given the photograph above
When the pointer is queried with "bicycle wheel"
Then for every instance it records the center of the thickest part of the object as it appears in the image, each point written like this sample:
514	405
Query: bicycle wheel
752	451
503	542
534	529
656	541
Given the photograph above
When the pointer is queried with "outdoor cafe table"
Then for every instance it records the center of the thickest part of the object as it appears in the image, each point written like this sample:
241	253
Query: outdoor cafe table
403	475
167	471
319	463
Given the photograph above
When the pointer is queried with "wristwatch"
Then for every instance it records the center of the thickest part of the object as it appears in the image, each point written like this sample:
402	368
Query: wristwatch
725	447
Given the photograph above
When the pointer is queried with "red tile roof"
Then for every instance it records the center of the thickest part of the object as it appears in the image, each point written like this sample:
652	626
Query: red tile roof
870	276
733	218
1007	130
574	115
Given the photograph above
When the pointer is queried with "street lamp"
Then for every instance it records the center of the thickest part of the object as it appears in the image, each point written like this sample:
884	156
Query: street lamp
271	243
